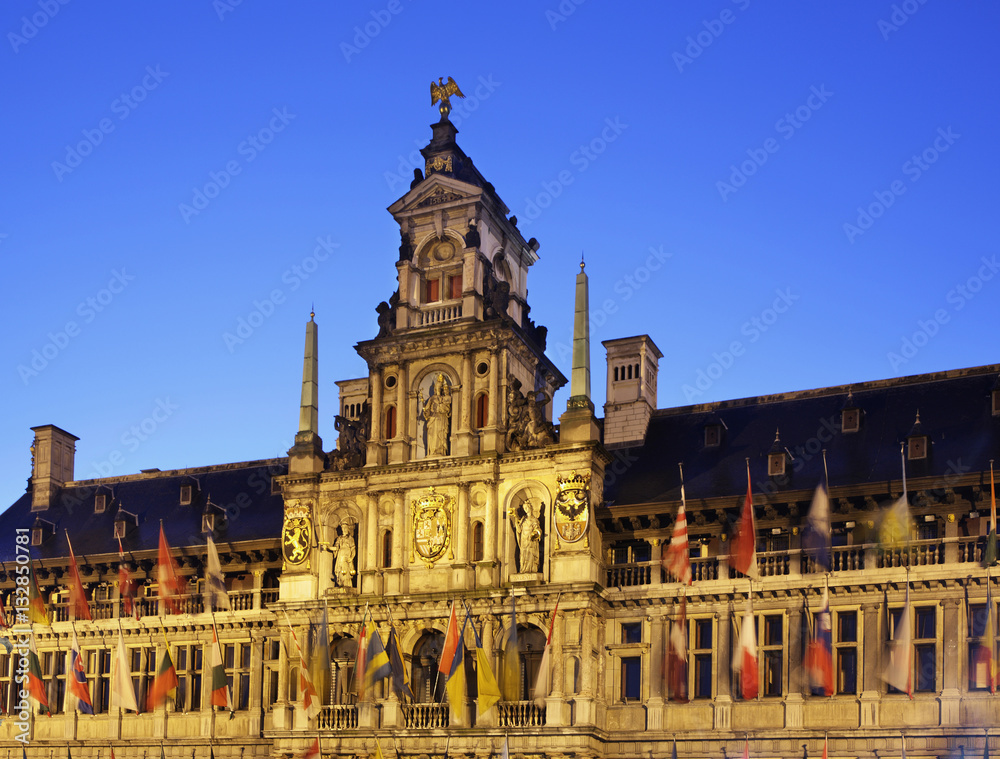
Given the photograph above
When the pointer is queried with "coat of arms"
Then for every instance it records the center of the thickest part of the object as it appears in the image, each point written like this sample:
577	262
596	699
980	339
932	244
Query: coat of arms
572	507
431	527
297	534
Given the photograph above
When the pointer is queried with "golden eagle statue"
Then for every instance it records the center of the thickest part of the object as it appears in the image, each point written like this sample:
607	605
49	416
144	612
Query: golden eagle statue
442	90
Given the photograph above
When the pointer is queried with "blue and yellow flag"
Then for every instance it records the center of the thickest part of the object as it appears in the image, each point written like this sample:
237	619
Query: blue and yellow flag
512	659
486	683
378	667
399	682
455	686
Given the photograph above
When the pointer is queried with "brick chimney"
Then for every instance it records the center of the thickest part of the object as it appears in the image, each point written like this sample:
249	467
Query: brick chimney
52	455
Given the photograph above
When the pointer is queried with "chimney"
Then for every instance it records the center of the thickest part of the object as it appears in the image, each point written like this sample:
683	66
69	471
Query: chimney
52	454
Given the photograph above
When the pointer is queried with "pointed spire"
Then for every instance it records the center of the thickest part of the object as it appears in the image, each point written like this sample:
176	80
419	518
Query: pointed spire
578	423
307	453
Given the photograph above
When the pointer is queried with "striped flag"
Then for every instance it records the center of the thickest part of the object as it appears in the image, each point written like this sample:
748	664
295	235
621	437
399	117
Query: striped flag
745	660
37	613
310	699
216	596
78	688
819	654
399	680
126	585
677	656
544	681
378	666
122	689
36	686
79	606
164	683
361	659
486	683
985	672
171	585
220	684
826	742
451	642
899	671
677	560
455	685
744	551
816	536
312	752
990	556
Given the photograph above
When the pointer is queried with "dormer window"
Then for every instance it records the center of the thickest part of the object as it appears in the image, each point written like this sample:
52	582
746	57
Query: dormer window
713	432
124	520
100	503
916	442
186	495
776	457
41	530
850	415
208	522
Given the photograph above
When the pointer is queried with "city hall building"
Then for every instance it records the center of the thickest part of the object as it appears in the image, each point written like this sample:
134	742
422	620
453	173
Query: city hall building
454	481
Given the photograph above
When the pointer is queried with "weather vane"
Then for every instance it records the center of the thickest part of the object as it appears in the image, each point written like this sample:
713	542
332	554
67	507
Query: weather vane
442	90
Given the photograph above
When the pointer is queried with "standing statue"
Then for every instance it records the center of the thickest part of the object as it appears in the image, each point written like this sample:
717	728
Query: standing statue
436	413
529	537
345	551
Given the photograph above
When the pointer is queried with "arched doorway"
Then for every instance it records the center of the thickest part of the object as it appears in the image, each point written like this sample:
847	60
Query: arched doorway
427	686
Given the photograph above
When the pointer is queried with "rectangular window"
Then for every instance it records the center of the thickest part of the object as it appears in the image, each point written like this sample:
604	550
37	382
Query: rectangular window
432	293
977	647
847	652
702	653
632	632
631	678
54	673
774	651
925	648
237	662
272	656
188	663
185	495
101	683
455	285
6	691
142	663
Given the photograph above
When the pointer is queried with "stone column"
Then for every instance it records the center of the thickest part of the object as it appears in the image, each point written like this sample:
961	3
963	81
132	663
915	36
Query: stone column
368	557
490	440
951	664
657	644
794	703
656	554
258	585
492	517
723	667
398	528
556	706
586	712
462	525
375	439
281	710
463	440
403	439
256	705
871	647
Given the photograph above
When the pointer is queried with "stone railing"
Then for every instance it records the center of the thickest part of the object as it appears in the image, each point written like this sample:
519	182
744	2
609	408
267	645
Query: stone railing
439	314
971	549
425	716
520	714
629	575
338	717
919	553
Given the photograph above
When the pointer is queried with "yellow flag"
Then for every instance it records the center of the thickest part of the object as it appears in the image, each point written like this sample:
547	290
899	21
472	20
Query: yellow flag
489	691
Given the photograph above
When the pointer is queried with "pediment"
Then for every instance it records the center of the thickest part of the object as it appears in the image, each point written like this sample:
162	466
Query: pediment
433	192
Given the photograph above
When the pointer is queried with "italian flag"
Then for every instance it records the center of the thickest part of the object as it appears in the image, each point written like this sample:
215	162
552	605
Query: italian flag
36	686
220	685
164	682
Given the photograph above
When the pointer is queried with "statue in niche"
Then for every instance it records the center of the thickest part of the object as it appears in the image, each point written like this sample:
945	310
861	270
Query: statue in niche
436	413
529	536
345	551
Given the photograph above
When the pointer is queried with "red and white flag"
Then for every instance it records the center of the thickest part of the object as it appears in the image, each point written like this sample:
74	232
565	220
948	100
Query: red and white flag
745	657
677	559
899	671
171	584
677	656
126	585
744	551
79	606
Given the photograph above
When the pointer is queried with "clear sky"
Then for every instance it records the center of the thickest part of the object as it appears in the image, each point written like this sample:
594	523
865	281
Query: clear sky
784	196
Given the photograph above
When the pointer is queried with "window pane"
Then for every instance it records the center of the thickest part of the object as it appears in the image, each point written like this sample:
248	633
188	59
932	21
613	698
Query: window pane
772	631
632	632
703	635
847	631
703	676
847	670
631	678
925	623
772	673
925	667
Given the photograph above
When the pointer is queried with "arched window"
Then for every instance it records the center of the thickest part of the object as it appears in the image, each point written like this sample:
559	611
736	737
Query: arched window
530	644
343	654
390	422
426	655
616	374
293	684
482	410
477	541
387	549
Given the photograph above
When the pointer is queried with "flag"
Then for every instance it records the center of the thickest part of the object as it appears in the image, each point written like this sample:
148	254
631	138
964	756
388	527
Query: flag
451	641
826	742
899	671
990	556
677	560
164	683
543	682
486	683
378	666
894	529
819	653
455	684
361	659
378	749
320	657
170	583
399	680
512	659
673	750
985	673
505	751
36	686
79	606
37	613
745	658
78	688
677	679
746	749
312	752
122	690
220	684
744	551
816	533
216	596
310	700
126	585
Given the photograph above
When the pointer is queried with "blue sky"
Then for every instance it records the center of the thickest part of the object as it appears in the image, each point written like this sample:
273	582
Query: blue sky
783	197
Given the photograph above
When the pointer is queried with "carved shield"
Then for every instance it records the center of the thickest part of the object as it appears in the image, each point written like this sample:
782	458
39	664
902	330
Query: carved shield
296	539
431	527
571	512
